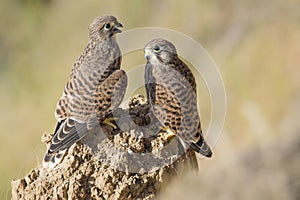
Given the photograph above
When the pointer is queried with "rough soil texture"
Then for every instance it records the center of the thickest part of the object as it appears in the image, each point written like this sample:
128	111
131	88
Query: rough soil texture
133	161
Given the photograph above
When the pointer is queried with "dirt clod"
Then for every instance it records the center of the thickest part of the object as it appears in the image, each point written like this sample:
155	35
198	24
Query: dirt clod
133	161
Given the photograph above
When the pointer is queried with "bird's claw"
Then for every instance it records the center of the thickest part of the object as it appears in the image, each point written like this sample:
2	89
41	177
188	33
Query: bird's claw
169	134
109	122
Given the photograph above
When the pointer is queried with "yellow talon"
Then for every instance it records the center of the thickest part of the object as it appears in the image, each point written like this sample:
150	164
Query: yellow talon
109	122
169	134
163	128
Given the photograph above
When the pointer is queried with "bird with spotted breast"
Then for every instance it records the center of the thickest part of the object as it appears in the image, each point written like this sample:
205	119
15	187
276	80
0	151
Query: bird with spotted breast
95	88
171	93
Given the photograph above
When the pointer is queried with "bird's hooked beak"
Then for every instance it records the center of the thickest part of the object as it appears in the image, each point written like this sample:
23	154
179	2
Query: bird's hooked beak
116	26
148	53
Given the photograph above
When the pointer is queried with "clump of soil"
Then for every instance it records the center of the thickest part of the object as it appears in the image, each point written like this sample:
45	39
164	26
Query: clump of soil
133	161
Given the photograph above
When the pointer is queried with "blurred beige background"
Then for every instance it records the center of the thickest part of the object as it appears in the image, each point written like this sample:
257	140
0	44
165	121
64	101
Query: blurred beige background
256	45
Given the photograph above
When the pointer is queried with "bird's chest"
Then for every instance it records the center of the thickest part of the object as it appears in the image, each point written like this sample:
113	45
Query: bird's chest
163	74
159	72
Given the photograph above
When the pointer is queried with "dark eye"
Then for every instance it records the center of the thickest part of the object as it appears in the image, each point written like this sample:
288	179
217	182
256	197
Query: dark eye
107	26
156	49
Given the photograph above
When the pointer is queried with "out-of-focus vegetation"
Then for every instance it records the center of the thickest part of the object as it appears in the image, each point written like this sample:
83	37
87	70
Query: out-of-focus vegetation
256	45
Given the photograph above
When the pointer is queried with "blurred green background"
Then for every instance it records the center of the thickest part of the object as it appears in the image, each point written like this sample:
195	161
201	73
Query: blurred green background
256	45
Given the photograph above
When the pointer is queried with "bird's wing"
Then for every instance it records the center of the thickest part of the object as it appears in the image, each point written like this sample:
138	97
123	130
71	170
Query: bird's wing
91	69
108	96
110	93
175	105
89	95
95	65
149	83
186	72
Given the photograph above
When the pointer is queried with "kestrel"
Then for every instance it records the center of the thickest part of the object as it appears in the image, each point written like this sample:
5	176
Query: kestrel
171	92
95	88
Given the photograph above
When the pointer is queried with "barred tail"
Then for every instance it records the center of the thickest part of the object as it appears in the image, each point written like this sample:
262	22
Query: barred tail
201	147
51	159
66	134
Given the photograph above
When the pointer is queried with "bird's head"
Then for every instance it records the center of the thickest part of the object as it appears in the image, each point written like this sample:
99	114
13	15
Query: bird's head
160	50
104	27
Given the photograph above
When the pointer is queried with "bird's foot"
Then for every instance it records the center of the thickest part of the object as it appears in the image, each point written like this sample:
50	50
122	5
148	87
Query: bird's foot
109	122
169	134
